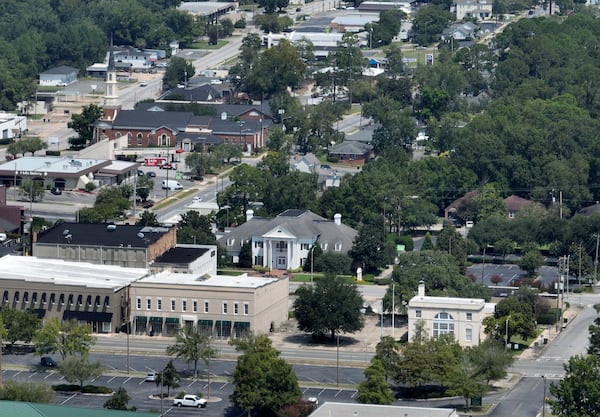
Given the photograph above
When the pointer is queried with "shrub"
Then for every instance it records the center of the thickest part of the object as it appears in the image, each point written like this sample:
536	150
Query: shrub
384	281
52	153
90	186
181	394
65	387
95	389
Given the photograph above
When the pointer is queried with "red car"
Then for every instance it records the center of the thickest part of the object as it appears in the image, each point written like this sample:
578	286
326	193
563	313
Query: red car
168	166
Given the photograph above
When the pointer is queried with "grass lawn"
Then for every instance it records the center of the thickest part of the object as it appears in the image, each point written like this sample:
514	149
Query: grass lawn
203	44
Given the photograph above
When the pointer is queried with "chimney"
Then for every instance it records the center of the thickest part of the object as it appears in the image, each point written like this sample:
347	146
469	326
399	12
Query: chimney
337	218
421	290
249	214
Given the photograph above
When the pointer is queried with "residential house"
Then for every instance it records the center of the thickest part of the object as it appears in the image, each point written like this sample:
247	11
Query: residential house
353	22
134	58
59	76
461	318
479	9
460	32
451	211
285	241
204	93
514	204
351	152
590	210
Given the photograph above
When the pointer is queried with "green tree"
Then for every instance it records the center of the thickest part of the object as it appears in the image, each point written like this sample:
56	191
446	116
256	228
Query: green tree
429	22
178	71
79	369
577	394
594	338
264	382
65	338
466	381
531	261
489	203
427	243
246	256
32	392
370	250
118	401
198	163
144	187
375	390
491	360
387	352
190	346
20	325
84	122
148	218
330	306
168	377
32	190
504	246
23	146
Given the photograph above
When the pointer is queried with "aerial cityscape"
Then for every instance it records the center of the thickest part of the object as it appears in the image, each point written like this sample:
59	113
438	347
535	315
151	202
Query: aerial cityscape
311	208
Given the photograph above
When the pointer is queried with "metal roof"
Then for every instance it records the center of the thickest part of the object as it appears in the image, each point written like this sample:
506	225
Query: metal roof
23	409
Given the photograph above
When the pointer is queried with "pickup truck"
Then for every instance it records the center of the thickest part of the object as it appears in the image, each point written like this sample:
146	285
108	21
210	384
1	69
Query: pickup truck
190	401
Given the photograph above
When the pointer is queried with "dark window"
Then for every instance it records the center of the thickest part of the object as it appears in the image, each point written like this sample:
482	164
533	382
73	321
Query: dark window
34	298
43	298
16	298
61	299
89	301
106	301
97	301
26	297
79	300
52	298
70	299
5	298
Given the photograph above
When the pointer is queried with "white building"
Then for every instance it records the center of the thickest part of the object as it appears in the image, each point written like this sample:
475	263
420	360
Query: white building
479	9
460	317
12	126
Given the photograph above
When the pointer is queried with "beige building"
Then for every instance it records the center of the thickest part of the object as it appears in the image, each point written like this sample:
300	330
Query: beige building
88	293
332	409
221	306
460	317
108	244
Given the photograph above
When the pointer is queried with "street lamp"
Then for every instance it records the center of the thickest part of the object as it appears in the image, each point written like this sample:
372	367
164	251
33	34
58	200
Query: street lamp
544	398
371	38
506	333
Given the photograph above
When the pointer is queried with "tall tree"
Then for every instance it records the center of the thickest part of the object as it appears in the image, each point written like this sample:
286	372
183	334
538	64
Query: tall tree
65	338
168	377
578	393
20	325
118	401
387	352
80	369
375	389
330	306
264	382
83	123
190	346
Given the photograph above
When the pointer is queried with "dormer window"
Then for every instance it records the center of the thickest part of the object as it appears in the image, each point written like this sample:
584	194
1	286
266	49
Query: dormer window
338	246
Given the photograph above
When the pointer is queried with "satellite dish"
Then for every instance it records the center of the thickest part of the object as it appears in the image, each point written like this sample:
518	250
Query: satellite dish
140	235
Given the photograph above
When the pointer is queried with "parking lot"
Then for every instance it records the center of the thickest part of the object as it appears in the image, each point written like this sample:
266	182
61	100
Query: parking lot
141	393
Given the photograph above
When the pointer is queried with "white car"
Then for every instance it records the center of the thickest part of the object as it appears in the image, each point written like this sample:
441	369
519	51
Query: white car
190	401
216	82
151	377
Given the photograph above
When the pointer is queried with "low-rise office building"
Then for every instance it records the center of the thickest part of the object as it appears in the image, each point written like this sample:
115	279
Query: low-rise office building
123	245
52	288
220	306
460	317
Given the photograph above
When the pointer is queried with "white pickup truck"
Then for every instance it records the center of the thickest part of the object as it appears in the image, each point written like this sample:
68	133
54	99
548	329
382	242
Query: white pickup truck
190	401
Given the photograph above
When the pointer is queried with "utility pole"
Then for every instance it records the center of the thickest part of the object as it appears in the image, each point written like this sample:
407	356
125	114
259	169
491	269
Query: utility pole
596	260
393	310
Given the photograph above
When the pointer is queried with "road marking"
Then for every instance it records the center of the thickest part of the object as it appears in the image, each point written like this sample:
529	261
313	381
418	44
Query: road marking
338	393
304	392
68	398
127	380
224	385
17	374
322	391
354	394
111	380
49	375
32	374
191	383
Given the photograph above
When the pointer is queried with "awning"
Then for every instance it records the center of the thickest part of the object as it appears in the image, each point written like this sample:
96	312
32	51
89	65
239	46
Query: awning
241	325
205	322
40	312
224	323
158	320
87	316
172	320
141	319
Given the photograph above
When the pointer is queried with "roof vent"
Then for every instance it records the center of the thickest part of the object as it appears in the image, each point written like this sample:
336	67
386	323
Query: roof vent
140	235
68	237
65	232
111	227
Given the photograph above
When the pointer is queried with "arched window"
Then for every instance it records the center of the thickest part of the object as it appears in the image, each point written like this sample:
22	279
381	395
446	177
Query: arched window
443	323
139	139
164	140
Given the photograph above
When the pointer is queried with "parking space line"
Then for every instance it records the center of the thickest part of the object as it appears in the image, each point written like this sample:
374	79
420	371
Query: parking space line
322	391
127	380
68	398
18	373
224	385
31	375
111	380
304	392
352	382
191	383
354	394
338	393
49	375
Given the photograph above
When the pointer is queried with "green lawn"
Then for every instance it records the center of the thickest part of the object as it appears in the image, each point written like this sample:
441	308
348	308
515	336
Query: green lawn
203	44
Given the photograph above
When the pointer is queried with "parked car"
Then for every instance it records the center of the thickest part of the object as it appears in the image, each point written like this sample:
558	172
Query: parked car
216	82
190	401
56	190
167	166
151	376
140	173
151	174
48	362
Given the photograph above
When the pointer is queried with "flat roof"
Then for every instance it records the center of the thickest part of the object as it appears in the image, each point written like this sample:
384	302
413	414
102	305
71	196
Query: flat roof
180	255
204	7
230	281
59	272
333	409
120	166
464	303
100	234
46	165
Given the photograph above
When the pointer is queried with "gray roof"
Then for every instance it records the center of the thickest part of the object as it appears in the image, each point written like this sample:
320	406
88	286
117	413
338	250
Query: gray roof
62	70
132	119
299	223
204	92
331	409
350	147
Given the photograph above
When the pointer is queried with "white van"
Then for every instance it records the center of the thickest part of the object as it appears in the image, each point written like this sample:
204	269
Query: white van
171	185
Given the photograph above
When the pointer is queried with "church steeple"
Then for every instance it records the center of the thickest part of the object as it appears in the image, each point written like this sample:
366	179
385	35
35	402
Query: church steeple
111	97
